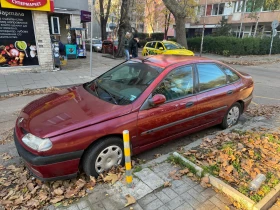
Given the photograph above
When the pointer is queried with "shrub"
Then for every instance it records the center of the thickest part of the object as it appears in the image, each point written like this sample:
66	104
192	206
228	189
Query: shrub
225	45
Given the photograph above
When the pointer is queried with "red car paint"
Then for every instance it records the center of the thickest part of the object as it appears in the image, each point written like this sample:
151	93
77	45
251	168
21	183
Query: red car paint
73	118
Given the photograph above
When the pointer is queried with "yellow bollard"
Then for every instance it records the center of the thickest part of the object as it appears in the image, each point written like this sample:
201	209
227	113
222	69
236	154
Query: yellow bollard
127	155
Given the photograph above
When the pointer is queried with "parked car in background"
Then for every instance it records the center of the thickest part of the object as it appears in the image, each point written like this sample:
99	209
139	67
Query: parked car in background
157	98
96	45
165	48
108	46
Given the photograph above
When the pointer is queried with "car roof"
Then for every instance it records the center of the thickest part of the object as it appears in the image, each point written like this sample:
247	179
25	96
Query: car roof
164	61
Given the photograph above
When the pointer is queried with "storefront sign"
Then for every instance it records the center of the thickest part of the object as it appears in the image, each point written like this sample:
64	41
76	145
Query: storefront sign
85	16
40	5
17	38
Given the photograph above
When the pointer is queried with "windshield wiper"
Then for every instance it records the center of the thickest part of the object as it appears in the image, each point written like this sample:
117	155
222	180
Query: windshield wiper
95	87
107	93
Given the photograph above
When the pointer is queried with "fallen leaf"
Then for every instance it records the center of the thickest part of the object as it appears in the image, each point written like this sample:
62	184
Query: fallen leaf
185	171
113	178
58	191
57	199
130	200
30	186
174	176
167	184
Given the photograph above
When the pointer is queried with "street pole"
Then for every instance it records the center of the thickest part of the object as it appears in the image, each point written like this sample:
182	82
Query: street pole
202	38
242	17
91	36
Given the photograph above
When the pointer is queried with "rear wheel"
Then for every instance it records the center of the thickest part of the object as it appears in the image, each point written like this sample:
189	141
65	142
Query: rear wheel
103	155
232	116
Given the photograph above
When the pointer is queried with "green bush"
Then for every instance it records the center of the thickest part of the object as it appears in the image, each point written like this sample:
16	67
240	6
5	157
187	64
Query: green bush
157	36
234	46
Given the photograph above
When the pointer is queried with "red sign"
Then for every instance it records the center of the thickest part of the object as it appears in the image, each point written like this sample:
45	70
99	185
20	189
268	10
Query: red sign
28	3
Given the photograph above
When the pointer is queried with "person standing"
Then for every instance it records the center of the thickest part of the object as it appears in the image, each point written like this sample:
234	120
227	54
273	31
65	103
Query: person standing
134	45
127	39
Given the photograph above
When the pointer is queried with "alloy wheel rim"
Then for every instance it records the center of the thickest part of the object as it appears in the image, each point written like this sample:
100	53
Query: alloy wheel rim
233	116
108	158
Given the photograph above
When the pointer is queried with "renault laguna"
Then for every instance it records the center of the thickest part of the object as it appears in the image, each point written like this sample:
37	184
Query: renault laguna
157	99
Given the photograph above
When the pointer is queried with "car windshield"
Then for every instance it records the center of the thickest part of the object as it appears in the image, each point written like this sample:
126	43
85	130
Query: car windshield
125	83
96	42
173	46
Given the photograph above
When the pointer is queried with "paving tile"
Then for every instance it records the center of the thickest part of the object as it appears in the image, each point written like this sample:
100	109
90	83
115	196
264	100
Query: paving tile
83	204
153	205
31	87
183	188
190	199
206	205
177	183
208	193
134	206
185	206
175	203
73	207
223	198
97	196
163	208
197	195
218	202
199	188
150	178
171	194
15	88
147	199
87	208
162	196
162	167
98	206
114	202
4	90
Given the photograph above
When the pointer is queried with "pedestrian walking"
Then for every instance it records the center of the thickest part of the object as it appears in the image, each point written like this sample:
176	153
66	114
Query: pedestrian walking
134	45
127	45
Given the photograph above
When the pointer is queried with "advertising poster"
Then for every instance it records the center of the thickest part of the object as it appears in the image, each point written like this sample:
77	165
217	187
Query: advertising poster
17	38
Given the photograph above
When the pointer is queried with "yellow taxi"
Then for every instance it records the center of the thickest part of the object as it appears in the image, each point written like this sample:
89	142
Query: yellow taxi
165	48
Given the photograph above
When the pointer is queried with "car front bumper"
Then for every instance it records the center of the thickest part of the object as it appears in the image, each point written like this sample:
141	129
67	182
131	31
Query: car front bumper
50	168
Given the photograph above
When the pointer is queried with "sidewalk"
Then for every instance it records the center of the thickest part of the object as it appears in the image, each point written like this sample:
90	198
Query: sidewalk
76	72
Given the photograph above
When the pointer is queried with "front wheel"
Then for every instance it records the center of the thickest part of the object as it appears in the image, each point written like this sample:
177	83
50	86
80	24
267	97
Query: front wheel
103	155
232	116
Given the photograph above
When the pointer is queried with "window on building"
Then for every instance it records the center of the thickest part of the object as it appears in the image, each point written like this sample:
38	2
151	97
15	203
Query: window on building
215	9
238	6
201	11
221	9
209	9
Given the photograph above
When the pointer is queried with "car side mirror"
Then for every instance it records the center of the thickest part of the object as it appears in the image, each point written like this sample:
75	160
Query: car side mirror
161	48
157	100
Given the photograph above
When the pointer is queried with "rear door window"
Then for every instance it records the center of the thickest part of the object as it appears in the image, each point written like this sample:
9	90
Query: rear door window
210	76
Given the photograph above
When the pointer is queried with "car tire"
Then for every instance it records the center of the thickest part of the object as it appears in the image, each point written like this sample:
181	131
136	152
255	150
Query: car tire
97	159
232	116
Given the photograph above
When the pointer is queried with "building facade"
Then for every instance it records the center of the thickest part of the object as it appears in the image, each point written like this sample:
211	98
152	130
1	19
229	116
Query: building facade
255	21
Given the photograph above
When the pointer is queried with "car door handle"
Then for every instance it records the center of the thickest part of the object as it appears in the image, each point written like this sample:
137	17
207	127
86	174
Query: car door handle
230	92
190	104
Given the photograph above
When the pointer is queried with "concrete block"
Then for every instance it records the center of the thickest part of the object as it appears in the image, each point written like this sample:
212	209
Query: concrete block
171	194
162	196
175	203
153	205
150	178
147	199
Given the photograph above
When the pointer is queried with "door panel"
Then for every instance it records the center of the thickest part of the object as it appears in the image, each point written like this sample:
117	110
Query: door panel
216	96
176	115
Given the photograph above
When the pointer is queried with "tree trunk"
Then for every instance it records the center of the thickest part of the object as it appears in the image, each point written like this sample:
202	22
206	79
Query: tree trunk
181	31
166	23
178	9
124	26
104	17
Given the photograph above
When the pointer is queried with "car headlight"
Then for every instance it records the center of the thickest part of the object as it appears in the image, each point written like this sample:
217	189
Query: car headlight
37	143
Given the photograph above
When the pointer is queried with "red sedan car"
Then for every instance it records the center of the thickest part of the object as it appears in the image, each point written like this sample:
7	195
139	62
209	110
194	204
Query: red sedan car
157	99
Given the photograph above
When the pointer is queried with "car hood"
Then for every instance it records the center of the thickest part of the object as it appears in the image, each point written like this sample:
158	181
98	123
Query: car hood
67	110
178	52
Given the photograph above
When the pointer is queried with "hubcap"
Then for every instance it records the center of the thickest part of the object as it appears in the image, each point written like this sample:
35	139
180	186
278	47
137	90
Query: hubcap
109	157
233	116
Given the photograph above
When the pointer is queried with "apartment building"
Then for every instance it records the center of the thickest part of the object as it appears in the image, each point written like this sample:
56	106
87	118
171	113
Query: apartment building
234	12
